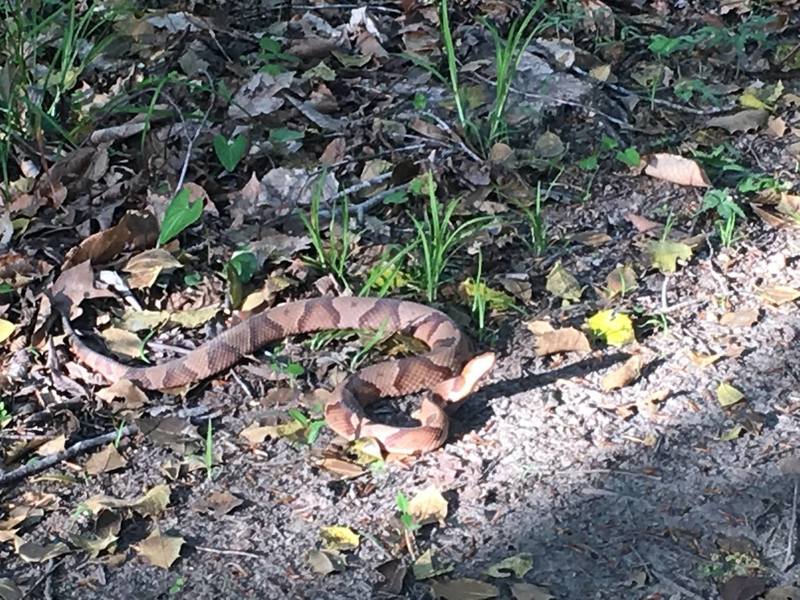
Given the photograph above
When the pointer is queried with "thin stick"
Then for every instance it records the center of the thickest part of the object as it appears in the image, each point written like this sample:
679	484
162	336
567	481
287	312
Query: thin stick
790	546
230	552
48	461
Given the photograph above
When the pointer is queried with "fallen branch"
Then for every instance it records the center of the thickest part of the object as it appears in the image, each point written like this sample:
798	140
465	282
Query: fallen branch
9	477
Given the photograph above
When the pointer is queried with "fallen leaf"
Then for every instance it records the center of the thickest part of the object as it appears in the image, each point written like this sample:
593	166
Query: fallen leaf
108	459
34	553
783	592
428	506
74	285
136	229
703	360
145	267
624	375
779	294
528	591
739	318
54	446
6	329
152	503
323	562
343	468
517	565
218	503
10	590
727	395
562	284
621	281
676	169
567	339
464	589
615	328
426	567
122	342
734	433
742	121
742	587
160	550
664	254
256	434
339	538
259	95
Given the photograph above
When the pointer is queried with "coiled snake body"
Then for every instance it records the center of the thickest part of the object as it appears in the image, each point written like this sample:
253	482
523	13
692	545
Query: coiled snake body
444	368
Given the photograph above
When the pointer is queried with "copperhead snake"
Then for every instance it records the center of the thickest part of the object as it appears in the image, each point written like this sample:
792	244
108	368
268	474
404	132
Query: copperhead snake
446	368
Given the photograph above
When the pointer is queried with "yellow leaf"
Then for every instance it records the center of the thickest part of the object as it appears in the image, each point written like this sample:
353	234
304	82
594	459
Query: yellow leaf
338	537
664	254
6	329
615	328
727	395
428	506
749	100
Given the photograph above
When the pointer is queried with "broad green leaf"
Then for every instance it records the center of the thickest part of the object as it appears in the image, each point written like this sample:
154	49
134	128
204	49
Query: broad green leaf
180	214
664	254
615	328
731	434
245	263
284	134
629	156
727	395
230	152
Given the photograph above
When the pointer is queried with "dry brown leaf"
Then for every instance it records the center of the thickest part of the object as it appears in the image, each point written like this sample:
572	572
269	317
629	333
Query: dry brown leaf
343	468
152	503
108	459
36	553
125	390
624	375
54	446
642	224
218	503
527	591
145	267
538	327
744	120
334	152
464	589
779	294
739	318
136	229
676	169
567	339
160	550
428	506
74	285
649	404
703	360
122	342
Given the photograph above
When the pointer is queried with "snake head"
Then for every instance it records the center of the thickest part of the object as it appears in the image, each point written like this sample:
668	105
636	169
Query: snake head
455	389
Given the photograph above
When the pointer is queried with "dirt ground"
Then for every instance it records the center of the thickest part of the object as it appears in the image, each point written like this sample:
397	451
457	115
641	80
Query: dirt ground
654	490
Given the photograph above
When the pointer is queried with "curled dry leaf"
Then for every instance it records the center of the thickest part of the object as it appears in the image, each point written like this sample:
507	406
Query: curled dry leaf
160	550
676	169
739	318
703	360
339	538
464	589
563	284
567	339
323	562
779	294
624	375
136	230
428	506
145	267
105	461
122	342
152	503
218	503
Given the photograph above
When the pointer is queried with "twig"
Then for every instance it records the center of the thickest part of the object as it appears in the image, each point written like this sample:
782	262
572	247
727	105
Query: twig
230	552
83	446
790	546
444	125
664	303
191	139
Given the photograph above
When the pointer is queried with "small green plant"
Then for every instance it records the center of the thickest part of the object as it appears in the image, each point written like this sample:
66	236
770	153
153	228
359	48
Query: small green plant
239	271
118	436
659	322
479	297
508	53
230	151
375	338
726	208
438	238
629	156
275	60
403	507
312	427
177	586
280	364
333	255
725	566
387	274
182	212
5	416
208	452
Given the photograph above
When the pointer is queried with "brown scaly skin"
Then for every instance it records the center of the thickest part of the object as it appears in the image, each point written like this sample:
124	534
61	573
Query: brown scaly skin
439	369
